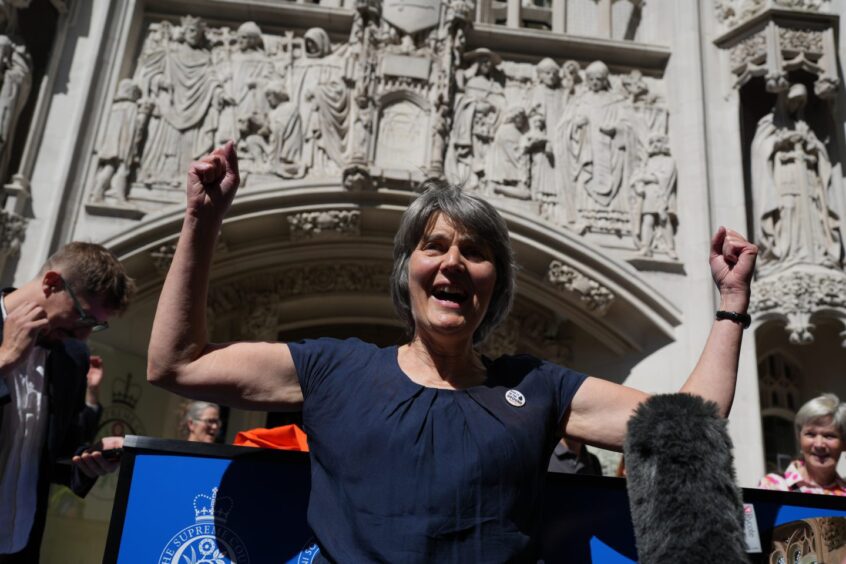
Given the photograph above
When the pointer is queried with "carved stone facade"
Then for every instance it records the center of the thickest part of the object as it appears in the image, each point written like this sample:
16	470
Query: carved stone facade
571	143
615	136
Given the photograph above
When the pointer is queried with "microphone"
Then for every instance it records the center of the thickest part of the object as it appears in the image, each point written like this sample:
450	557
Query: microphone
685	504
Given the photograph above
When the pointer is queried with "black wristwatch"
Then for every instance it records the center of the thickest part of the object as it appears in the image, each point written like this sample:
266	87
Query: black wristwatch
743	318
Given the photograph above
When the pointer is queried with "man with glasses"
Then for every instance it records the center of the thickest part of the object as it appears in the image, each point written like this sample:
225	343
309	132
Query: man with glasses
43	367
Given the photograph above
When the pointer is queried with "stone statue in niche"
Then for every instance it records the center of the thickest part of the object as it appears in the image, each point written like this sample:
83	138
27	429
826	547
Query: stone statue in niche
286	132
119	148
249	69
791	175
541	170
324	100
476	111
177	72
596	144
655	218
16	77
507	170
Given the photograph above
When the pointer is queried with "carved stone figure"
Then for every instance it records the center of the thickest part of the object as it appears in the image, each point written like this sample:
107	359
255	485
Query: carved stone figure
570	80
476	110
16	77
791	174
594	139
654	188
249	69
119	149
286	132
547	93
324	103
253	144
541	170
179	75
506	171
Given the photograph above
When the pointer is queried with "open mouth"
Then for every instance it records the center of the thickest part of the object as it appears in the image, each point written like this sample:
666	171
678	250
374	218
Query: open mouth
450	294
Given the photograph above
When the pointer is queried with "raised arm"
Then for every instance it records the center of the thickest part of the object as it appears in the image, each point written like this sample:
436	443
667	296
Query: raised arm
601	409
180	358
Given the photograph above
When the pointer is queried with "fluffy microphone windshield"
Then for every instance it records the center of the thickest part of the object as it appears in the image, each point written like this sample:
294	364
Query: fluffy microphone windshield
685	504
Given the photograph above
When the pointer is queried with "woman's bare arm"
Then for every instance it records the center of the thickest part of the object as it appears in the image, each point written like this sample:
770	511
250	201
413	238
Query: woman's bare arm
600	410
180	358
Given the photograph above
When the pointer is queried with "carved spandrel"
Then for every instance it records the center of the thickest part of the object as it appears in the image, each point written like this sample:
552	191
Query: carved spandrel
592	294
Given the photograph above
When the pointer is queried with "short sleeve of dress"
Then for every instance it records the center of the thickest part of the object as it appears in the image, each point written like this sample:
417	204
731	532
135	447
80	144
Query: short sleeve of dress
317	359
566	383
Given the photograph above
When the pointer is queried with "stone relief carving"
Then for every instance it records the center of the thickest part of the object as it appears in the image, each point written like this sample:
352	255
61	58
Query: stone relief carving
654	192
556	141
162	256
798	295
800	269
12	232
310	225
596	297
791	178
15	78
526	331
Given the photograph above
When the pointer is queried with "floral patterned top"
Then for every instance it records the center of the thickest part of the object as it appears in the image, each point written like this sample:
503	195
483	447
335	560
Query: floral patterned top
792	481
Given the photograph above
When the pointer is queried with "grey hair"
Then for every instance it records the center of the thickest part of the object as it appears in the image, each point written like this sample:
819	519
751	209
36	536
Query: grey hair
822	407
466	211
195	411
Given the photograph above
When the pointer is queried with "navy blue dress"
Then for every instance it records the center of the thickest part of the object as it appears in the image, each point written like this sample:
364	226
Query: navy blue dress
406	473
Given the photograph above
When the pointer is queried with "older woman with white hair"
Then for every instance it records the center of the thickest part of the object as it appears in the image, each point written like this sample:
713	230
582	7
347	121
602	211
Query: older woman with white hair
821	429
427	451
202	421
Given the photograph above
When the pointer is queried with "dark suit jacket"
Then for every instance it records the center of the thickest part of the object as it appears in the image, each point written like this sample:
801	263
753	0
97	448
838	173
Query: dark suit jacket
69	426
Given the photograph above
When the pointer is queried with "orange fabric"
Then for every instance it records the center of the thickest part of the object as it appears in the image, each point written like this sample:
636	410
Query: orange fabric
286	437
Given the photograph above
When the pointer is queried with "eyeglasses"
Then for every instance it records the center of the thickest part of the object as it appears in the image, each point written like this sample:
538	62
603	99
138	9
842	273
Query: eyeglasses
210	422
85	319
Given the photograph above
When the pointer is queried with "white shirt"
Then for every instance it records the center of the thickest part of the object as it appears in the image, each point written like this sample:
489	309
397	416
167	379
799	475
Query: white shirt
21	442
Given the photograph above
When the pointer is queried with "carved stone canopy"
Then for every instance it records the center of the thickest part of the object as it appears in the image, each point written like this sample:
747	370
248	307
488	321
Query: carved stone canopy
778	41
798	296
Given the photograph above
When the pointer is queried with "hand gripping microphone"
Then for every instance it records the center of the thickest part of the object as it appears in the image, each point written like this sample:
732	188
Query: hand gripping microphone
685	504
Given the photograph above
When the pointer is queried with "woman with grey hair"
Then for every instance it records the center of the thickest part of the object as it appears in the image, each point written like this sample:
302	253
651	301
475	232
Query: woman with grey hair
202	422
427	451
820	429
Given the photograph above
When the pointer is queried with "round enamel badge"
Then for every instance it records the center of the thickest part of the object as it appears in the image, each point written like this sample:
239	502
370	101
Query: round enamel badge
515	398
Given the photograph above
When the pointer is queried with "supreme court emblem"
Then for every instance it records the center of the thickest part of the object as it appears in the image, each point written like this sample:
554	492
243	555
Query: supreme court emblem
515	398
208	540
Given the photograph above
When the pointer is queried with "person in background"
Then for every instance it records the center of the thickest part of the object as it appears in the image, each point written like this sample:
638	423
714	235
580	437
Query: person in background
44	371
572	457
821	427
202	421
